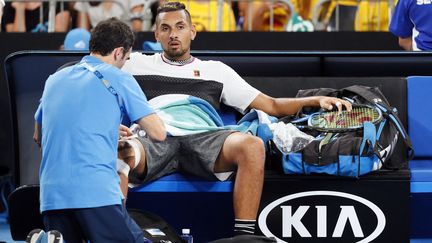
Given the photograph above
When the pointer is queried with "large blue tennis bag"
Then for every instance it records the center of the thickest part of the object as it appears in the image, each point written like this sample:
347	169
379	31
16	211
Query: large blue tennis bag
353	153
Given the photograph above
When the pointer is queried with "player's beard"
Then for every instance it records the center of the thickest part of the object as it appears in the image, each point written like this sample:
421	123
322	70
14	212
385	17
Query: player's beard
175	54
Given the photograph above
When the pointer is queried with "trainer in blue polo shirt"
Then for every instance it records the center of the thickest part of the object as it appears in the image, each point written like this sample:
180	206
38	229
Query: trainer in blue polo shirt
77	123
409	18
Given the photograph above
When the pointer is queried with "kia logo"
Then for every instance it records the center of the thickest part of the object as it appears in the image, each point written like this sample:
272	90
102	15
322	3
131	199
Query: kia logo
293	218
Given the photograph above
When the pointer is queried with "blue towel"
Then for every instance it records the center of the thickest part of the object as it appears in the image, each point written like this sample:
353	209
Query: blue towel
185	114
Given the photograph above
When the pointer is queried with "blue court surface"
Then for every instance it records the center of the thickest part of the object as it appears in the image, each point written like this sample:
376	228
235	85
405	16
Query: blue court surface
5	235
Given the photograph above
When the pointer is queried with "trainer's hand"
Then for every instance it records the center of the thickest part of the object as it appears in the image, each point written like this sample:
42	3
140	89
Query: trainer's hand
124	131
329	102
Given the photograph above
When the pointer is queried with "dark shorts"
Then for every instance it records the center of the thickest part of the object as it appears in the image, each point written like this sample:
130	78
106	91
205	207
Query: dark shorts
108	224
193	154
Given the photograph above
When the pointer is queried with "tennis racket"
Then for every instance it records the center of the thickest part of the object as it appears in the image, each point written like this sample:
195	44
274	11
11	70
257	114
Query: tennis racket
335	121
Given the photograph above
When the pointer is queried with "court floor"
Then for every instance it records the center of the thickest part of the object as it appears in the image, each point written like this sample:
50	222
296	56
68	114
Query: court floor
5	236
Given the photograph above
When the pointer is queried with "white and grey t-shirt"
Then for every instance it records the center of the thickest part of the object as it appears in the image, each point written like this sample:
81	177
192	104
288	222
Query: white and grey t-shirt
211	80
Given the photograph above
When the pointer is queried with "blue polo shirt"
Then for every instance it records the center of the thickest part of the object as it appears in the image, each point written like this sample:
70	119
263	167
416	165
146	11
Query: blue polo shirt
410	14
80	120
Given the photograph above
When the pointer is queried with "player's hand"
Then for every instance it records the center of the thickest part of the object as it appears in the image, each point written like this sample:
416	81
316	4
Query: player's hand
329	103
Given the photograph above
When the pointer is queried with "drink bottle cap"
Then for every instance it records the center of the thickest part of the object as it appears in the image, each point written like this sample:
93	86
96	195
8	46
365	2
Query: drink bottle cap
185	231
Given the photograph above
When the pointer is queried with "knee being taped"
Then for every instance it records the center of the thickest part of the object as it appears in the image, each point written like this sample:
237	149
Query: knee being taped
122	167
136	147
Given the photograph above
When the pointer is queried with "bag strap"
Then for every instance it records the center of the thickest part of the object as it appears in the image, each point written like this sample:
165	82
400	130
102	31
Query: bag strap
369	134
371	97
366	94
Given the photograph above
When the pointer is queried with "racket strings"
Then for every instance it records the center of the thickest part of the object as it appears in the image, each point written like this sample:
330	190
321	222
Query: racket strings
355	118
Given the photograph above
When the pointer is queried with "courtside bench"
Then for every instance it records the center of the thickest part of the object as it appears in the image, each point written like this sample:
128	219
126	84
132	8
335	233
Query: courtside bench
419	89
206	207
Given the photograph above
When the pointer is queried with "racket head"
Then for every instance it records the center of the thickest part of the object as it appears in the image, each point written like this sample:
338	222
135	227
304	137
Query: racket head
334	121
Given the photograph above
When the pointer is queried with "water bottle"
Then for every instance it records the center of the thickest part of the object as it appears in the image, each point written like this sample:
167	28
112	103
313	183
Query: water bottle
186	236
147	240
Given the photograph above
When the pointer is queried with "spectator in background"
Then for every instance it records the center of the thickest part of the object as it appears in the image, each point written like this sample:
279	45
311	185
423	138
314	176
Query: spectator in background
372	15
324	18
204	14
77	40
33	17
412	20
258	13
91	13
2	3
73	15
327	15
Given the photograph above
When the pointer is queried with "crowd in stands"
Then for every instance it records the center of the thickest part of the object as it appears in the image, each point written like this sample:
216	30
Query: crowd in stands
233	15
24	16
33	17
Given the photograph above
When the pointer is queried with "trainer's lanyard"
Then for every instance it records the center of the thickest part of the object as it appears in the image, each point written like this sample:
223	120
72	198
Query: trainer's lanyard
109	87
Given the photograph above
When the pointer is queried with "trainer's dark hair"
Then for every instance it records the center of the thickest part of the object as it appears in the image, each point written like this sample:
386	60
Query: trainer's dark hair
171	7
110	34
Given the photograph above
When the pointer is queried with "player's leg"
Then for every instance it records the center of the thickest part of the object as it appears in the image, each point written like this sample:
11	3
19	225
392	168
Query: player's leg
131	156
155	160
211	154
247	153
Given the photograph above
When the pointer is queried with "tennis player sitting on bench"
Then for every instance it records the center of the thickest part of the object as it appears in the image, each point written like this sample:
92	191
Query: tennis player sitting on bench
209	153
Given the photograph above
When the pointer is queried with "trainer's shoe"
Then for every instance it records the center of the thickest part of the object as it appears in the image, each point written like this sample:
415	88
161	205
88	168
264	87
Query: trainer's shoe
54	236
35	236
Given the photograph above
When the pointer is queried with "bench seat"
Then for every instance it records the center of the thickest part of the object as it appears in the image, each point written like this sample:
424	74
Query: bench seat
184	183
421	176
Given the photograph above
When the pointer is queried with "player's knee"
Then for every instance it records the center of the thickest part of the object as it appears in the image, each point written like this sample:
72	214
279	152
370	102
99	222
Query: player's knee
253	151
130	156
122	167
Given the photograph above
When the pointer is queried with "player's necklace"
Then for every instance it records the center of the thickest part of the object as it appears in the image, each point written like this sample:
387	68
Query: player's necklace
176	62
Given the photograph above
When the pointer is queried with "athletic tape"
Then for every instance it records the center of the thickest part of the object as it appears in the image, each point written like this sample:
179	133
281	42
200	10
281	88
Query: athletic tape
122	167
135	145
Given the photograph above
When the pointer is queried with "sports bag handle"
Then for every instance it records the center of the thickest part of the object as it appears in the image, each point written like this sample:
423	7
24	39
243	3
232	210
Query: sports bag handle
382	104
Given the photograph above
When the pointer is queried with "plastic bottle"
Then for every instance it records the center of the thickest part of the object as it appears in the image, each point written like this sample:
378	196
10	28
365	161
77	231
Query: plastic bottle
186	236
147	240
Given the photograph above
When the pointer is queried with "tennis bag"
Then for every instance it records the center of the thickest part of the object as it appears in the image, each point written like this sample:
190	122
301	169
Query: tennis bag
351	153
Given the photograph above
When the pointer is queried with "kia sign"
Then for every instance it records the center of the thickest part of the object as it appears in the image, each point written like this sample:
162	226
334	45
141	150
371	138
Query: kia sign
322	214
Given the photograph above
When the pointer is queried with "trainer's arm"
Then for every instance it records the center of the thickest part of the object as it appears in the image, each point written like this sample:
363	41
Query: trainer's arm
288	106
153	126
